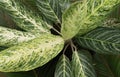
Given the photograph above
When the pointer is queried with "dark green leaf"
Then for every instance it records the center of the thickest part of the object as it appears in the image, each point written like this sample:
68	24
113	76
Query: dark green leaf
101	40
63	68
107	66
22	74
82	64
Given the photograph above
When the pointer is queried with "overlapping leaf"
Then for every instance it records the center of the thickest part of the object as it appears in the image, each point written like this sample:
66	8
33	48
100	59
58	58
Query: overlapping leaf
101	40
23	17
63	68
82	64
50	10
31	54
107	66
9	37
84	16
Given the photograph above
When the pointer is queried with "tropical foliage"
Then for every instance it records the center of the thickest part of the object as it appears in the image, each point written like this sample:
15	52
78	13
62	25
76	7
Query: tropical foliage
60	38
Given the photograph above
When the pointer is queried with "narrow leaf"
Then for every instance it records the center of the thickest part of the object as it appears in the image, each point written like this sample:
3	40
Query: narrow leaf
101	40
24	18
63	68
82	64
9	37
32	54
84	16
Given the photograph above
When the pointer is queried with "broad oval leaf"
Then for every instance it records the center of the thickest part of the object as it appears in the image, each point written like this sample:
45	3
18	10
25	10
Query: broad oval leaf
101	40
24	17
107	65
32	54
84	16
82	64
9	37
63	68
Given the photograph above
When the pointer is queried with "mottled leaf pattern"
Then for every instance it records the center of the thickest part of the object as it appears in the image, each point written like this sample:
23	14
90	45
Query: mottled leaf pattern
84	16
82	64
32	54
24	18
101	40
9	37
50	10
63	68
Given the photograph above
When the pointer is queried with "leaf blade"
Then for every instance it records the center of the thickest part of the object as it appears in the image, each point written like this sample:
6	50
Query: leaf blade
101	40
82	65
63	68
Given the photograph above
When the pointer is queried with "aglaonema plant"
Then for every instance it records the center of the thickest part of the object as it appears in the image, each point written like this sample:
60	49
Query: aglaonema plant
60	38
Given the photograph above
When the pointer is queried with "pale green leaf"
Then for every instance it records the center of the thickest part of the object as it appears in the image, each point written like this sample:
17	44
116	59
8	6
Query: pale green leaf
82	64
9	37
63	68
31	54
101	40
84	16
24	17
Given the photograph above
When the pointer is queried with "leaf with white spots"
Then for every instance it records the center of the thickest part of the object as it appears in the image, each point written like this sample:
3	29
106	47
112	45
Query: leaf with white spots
31	54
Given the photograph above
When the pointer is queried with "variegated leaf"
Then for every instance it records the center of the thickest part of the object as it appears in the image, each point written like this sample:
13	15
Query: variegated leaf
31	54
101	40
23	17
9	37
50	10
63	68
82	64
84	16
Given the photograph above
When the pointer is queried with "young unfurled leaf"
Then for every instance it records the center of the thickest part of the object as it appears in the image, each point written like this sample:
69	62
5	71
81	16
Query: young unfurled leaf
82	64
32	54
63	68
101	40
84	16
23	17
9	37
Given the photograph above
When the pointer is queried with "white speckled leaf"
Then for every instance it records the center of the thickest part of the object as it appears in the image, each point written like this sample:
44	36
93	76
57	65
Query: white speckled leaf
84	16
32	54
9	37
24	17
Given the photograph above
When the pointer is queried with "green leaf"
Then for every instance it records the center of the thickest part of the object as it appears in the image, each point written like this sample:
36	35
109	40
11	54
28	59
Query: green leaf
32	54
101	40
84	16
107	65
50	9
82	64
9	37
24	17
63	68
22	74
